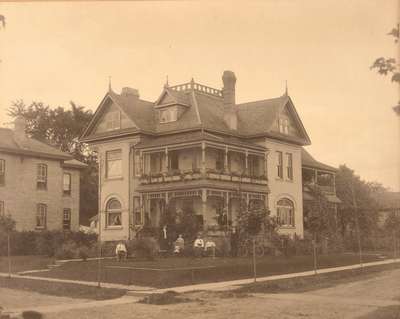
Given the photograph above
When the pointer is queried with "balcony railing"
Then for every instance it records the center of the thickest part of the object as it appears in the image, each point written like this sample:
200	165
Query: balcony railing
177	175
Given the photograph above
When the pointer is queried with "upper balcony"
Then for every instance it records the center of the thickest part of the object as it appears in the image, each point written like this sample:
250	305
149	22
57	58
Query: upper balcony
323	179
203	161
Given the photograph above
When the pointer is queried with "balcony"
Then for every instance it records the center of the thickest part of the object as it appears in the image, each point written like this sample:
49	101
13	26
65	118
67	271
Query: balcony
196	174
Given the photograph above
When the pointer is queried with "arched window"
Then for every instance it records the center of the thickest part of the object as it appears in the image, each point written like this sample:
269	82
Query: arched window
285	212
113	213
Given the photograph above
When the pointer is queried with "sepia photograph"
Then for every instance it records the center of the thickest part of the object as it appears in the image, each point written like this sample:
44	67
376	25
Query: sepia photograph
200	159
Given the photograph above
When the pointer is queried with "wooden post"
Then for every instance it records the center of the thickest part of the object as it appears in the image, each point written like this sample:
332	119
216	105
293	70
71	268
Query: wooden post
254	260
226	159
315	253
9	254
357	223
99	234
166	160
203	157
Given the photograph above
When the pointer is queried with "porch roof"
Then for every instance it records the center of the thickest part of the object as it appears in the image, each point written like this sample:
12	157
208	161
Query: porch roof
198	184
197	136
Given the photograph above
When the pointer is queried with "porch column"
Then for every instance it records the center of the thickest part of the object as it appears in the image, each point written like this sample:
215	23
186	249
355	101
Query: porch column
203	157
266	164
247	201
334	183
142	208
315	177
228	213
203	202
226	159
246	162
166	160
141	163
166	199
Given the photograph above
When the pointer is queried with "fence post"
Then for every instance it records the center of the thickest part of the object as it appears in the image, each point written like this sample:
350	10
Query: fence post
314	242
254	260
9	254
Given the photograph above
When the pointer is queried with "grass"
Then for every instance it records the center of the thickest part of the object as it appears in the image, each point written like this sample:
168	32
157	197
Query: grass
309	283
389	312
61	289
175	271
166	298
23	263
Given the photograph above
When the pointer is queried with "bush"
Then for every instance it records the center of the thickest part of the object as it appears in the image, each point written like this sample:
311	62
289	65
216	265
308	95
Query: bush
68	250
146	247
166	298
83	252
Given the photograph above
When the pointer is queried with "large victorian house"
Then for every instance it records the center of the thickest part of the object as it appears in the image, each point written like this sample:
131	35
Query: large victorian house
196	149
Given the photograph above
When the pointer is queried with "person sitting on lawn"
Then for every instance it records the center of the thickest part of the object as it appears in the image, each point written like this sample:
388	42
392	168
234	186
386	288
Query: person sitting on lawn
210	247
179	245
121	251
198	246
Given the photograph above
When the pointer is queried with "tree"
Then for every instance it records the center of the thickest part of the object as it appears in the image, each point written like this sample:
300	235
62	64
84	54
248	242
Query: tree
7	225
61	127
388	66
362	205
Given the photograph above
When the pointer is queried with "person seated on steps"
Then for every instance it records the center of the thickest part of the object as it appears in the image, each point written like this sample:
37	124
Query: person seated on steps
121	251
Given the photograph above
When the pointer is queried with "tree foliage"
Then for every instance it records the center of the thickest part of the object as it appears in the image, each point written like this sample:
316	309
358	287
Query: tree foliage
61	127
388	65
362	205
253	220
7	224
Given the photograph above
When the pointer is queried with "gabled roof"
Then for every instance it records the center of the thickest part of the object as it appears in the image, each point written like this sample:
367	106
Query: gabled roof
204	108
9	143
308	161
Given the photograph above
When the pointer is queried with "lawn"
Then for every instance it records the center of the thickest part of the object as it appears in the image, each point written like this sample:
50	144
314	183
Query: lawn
23	263
61	289
178	271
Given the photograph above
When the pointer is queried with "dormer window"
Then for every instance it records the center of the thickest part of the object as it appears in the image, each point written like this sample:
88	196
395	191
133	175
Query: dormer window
168	115
113	121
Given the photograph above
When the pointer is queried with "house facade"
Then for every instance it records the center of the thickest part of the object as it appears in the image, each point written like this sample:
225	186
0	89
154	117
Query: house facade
196	150
39	185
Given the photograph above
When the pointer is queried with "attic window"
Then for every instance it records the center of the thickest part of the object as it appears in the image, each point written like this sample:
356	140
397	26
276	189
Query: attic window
283	126
113	121
168	115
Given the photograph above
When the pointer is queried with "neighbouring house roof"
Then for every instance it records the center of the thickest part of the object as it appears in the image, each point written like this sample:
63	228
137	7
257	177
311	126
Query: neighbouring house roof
195	136
202	110
308	161
74	164
10	143
387	200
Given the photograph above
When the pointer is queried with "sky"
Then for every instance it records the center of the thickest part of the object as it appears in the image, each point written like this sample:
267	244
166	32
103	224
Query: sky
62	51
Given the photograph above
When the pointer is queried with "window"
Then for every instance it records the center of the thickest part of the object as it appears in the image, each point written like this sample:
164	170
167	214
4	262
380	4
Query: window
289	167
67	219
67	184
113	213
114	164
113	120
2	211
168	115
41	181
285	212
156	162
2	172
279	164
254	166
220	160
41	214
137	164
174	161
283	126
136	211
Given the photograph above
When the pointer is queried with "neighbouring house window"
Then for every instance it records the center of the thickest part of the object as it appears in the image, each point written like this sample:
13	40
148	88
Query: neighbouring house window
41	181
67	184
41	216
2	211
285	212
136	211
113	213
279	164
2	172
168	115
289	167
67	219
114	163
113	120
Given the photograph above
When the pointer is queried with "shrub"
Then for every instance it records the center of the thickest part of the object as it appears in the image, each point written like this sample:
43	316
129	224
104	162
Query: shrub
83	252
166	298
146	247
68	250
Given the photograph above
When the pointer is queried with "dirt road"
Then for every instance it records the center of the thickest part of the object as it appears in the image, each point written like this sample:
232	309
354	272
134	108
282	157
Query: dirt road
351	300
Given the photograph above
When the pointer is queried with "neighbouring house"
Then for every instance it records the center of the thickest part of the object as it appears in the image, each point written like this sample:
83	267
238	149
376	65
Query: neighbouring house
315	173
388	203
39	184
195	149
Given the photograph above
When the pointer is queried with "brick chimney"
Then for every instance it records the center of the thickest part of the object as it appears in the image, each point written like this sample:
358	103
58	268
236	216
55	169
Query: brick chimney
130	92
228	93
19	127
